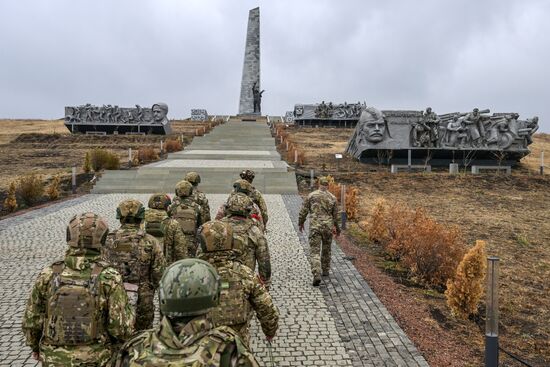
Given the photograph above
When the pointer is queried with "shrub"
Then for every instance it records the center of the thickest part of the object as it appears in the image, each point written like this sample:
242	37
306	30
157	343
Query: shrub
87	167
376	226
466	288
173	145
104	159
53	189
147	154
351	202
30	188
10	203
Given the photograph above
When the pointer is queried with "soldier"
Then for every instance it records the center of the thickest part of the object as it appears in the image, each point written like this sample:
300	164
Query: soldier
138	257
323	208
248	236
186	335
78	312
242	293
188	214
166	230
255	194
244	187
200	198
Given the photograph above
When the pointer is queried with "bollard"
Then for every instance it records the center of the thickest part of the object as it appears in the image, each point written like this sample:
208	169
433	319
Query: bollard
161	147
343	201
542	162
453	168
287	145
295	156
409	160
129	157
74	180
491	319
311	178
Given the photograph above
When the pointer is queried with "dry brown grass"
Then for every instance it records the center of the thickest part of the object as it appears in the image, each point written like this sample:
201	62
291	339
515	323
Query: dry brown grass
10	129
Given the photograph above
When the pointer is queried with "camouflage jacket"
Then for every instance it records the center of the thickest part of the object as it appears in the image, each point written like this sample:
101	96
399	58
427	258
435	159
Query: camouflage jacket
197	343
189	201
242	294
202	201
149	261
175	242
258	199
255	215
322	207
256	248
118	316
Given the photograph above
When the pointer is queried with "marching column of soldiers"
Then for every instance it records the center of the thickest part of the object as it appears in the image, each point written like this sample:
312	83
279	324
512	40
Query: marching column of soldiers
95	307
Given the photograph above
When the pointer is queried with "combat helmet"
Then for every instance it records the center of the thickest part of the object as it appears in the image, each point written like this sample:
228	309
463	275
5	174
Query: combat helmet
323	181
243	186
159	201
193	177
87	230
248	175
130	210
215	236
184	188
189	287
239	204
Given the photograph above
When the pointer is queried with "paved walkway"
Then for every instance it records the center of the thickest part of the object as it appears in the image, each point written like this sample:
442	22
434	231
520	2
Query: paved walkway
341	323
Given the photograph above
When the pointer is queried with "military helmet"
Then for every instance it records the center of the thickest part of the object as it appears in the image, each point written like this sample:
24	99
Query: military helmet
323	181
193	177
87	230
247	175
130	208
216	236
239	204
189	287
243	186
159	201
184	188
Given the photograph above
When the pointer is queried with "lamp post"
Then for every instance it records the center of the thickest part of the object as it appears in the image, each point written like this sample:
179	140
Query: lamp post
491	320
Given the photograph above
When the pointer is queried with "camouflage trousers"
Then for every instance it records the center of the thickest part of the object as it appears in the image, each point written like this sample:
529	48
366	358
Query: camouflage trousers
192	245
320	240
145	309
244	332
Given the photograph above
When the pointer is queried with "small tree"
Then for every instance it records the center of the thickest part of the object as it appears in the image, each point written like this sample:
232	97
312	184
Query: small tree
465	290
31	188
10	203
87	167
53	189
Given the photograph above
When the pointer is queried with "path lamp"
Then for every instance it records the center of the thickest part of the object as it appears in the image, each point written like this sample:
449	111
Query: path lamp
491	320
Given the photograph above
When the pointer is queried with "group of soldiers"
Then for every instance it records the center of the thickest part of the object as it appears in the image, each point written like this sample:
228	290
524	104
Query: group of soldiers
96	306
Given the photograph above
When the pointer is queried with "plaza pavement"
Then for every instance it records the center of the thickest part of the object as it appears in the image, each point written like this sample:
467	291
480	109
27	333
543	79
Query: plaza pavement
341	323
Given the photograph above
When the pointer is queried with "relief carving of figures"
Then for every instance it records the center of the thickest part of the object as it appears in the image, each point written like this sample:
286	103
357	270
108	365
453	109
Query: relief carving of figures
341	111
425	133
455	133
109	114
530	126
160	110
475	127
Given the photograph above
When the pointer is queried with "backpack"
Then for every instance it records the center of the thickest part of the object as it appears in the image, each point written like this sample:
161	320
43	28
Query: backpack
186	216
155	222
128	256
234	307
72	317
241	240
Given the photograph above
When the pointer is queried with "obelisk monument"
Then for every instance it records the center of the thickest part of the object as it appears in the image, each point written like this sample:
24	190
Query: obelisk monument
249	103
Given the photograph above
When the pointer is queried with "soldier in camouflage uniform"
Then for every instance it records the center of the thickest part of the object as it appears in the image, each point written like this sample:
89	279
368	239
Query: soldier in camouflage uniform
244	187
242	293
139	259
186	336
78	312
255	194
248	236
188	214
323	209
166	230
200	198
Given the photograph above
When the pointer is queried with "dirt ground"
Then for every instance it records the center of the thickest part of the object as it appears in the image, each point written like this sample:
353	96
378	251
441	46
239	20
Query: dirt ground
512	213
46	147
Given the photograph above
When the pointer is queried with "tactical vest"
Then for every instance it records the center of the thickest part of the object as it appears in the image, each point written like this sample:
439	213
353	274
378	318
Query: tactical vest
186	216
155	222
241	239
126	253
72	317
234	307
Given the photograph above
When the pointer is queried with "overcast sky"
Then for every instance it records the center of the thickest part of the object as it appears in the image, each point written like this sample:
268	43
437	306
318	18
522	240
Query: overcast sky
451	55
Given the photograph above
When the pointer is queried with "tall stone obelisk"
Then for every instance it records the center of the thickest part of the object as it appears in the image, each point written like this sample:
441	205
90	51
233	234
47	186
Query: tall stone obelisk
251	67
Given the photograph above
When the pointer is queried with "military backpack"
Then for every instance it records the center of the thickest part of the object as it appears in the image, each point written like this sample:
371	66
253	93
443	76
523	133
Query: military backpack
155	222
186	216
234	307
125	252
72	317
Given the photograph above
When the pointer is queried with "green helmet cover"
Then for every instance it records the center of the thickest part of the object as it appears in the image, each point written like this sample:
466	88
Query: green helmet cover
189	287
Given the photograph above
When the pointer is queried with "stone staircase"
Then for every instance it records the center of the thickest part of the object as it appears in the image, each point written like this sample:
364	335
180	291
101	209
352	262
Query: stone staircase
218	157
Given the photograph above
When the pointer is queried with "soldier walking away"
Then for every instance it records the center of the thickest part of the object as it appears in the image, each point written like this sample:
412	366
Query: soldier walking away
78	313
138	258
244	187
166	230
255	194
188	214
322	207
242	294
200	198
186	335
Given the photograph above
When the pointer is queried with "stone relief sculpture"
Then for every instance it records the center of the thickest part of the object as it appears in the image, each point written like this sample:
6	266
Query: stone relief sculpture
76	117
341	111
371	130
425	133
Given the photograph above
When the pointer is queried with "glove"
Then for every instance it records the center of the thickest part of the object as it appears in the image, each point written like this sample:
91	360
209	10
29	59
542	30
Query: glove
301	227
36	355
269	338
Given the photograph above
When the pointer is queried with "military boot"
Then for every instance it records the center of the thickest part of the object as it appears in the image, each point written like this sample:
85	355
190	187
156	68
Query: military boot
316	280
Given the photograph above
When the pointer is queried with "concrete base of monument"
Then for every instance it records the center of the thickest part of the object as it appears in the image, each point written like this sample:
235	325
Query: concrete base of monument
122	129
443	157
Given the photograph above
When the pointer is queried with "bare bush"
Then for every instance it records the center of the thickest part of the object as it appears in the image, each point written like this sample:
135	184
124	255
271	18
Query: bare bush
147	154
173	145
31	188
104	159
10	203
53	188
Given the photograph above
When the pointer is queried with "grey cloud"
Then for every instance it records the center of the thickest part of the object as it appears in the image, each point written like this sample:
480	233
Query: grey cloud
452	55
